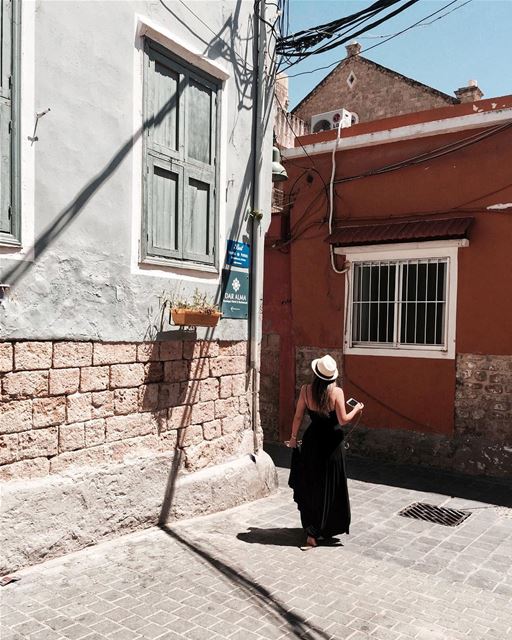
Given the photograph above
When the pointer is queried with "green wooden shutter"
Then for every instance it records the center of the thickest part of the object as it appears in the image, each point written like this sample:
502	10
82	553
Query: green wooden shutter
180	172
200	174
5	116
164	173
166	185
198	220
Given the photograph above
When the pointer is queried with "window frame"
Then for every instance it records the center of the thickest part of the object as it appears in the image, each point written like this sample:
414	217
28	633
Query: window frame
188	168
394	253
12	238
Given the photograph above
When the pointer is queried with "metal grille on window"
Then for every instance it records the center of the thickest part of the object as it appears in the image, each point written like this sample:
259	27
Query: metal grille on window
399	303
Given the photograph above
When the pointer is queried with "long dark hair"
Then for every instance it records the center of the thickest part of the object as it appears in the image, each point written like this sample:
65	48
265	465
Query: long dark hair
320	393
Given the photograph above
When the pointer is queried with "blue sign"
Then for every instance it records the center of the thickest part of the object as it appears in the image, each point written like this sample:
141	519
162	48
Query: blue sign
238	254
235	298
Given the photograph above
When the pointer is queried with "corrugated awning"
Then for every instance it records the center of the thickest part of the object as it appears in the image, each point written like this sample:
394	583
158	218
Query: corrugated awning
415	231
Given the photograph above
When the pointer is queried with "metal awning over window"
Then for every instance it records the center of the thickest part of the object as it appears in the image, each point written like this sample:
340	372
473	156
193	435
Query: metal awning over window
409	231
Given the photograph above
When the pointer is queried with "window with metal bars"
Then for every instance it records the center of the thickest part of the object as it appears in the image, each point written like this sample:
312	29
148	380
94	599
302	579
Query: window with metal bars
400	303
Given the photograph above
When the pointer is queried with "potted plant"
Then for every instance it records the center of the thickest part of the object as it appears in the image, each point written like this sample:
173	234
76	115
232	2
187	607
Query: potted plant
197	312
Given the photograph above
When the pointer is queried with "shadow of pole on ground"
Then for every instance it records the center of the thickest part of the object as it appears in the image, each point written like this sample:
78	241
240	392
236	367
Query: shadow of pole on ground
258	594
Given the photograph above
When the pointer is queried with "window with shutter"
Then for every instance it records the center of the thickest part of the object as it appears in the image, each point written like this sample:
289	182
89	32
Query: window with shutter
180	147
9	82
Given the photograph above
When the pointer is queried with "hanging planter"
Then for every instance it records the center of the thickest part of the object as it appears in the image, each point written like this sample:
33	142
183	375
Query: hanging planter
195	317
197	312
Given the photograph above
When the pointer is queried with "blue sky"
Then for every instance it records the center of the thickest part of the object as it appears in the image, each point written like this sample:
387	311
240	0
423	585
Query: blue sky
473	42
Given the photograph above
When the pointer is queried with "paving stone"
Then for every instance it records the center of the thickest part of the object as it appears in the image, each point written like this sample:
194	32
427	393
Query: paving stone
240	575
152	631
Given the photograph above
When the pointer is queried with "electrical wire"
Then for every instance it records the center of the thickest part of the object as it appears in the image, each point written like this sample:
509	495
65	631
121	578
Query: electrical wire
415	160
418	24
336	62
287	118
310	37
431	155
344	36
331	200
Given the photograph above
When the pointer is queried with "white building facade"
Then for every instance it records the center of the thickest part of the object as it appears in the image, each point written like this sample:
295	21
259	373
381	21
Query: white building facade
134	150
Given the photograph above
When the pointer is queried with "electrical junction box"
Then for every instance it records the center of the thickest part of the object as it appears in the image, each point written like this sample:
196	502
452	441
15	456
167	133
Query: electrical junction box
332	120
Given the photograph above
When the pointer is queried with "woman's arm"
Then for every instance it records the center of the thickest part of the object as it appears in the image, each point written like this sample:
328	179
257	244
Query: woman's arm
339	405
297	418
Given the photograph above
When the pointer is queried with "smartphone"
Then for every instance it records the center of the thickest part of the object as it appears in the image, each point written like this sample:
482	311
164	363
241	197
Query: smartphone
352	402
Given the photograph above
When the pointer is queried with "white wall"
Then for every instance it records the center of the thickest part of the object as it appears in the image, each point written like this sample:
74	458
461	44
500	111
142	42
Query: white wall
81	193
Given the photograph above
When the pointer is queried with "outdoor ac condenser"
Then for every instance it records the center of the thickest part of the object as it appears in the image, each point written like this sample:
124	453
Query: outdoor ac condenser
331	120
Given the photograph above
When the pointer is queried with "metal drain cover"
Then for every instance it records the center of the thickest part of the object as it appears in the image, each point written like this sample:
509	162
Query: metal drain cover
437	515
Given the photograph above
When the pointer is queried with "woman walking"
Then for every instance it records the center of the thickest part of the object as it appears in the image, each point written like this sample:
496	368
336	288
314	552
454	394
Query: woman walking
317	474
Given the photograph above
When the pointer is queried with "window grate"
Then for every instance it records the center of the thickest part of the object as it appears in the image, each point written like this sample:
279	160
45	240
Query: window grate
400	303
437	515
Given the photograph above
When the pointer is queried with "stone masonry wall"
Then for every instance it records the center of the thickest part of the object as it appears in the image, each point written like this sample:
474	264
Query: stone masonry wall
375	93
483	412
269	387
76	404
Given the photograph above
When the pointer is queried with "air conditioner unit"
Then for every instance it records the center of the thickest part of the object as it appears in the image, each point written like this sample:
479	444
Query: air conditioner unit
331	120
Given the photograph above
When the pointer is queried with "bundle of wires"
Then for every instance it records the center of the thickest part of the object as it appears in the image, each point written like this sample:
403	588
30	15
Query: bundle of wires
330	35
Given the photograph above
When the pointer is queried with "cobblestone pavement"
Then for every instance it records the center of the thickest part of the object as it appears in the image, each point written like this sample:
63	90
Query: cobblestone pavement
240	575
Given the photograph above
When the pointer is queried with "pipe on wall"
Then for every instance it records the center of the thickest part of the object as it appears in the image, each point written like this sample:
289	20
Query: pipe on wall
256	215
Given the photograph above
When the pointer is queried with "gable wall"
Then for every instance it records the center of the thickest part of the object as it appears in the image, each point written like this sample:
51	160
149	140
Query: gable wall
375	94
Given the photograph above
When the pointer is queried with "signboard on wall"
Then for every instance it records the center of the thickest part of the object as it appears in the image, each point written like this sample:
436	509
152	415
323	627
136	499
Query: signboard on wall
238	254
235	287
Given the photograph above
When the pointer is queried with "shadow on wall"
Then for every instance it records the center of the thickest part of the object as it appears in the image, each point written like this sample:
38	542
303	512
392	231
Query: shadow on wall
179	391
244	80
180	401
176	365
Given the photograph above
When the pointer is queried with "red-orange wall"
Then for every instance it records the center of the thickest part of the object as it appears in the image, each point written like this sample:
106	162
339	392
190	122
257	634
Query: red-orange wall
460	183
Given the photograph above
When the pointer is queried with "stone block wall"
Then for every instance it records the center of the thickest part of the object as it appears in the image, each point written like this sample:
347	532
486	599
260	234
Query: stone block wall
483	413
75	404
303	358
375	93
270	387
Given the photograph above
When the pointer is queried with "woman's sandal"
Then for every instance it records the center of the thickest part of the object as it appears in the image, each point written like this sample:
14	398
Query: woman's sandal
311	543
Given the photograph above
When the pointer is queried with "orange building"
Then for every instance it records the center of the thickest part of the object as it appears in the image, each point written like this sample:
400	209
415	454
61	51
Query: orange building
392	252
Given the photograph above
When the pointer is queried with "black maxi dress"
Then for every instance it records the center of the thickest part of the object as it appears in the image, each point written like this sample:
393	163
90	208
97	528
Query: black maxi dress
318	478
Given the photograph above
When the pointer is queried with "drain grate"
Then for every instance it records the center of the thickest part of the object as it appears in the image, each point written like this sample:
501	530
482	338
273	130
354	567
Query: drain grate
437	515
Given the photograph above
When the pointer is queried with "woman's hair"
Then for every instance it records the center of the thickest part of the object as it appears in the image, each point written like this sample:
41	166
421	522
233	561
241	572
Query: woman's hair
320	393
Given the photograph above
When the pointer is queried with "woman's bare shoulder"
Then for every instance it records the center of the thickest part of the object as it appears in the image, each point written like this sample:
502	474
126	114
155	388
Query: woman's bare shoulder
337	393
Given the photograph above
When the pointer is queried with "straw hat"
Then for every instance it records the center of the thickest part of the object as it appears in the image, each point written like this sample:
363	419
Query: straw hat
325	368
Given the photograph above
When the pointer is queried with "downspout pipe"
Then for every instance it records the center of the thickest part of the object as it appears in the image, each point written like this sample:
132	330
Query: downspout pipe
256	213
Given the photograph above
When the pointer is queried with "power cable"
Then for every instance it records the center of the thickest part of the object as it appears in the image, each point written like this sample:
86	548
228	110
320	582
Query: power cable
416	24
419	24
336	62
287	118
438	152
301	40
341	39
431	155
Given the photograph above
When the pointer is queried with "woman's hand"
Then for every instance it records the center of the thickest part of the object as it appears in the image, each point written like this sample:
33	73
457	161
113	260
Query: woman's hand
292	442
359	407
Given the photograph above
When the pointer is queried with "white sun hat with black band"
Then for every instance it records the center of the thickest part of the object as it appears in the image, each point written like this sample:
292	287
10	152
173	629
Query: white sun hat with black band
325	368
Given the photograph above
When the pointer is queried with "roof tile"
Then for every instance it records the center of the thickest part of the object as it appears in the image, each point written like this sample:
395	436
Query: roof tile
407	231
